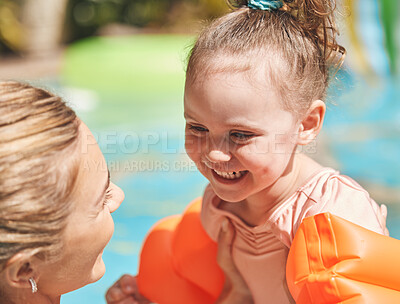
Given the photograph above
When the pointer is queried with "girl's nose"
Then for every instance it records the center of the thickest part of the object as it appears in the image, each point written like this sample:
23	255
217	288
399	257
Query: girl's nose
216	156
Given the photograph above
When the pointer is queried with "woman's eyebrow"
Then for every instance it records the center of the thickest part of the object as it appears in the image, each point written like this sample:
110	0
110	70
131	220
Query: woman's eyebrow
187	116
107	184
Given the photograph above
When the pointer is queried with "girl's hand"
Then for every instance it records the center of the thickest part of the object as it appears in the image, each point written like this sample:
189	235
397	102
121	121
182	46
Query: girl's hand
235	289
382	218
125	291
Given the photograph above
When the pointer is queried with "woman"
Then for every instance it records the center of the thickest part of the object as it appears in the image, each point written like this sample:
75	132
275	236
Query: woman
56	198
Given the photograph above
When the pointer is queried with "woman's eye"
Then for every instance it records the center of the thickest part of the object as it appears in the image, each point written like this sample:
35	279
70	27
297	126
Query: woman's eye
240	136
197	129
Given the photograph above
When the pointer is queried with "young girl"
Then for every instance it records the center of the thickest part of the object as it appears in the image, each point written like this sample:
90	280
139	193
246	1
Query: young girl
255	84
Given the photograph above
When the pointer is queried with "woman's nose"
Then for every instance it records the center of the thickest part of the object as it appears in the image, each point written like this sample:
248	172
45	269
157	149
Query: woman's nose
216	156
117	198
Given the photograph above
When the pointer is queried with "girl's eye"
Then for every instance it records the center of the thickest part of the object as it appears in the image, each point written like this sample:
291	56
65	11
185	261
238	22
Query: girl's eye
197	129
240	136
107	197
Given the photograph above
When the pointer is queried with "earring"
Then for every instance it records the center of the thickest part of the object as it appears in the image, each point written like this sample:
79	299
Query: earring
33	284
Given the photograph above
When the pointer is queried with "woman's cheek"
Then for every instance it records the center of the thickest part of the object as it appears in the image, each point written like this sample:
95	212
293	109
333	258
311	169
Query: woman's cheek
110	226
105	225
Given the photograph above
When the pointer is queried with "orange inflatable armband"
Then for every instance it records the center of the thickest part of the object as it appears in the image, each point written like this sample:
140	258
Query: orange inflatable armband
332	260
178	261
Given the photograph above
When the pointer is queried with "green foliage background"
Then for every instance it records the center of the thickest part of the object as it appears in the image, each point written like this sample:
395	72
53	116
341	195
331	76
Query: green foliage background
83	18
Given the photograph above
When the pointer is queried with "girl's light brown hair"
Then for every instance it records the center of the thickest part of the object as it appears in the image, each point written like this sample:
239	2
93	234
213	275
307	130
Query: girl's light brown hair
38	167
296	45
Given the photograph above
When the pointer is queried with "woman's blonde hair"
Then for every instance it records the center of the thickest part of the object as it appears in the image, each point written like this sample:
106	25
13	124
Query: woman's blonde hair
296	44
38	168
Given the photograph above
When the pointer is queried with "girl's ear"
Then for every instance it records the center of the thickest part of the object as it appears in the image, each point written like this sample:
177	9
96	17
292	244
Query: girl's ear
311	123
20	268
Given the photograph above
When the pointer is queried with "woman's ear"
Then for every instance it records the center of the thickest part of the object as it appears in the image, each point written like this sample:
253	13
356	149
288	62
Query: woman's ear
311	123
20	268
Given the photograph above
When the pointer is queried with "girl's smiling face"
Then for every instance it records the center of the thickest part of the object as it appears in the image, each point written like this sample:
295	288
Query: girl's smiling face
238	133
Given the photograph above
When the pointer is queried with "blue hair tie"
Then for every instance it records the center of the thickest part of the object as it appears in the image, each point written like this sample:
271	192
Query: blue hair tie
265	5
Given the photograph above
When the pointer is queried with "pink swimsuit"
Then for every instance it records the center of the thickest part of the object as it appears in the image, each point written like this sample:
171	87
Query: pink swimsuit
260	252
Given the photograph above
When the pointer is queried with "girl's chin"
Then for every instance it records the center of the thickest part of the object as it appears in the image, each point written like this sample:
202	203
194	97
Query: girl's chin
229	196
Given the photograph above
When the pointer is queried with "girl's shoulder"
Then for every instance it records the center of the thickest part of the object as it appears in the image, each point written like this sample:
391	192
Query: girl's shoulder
330	186
330	191
326	191
324	184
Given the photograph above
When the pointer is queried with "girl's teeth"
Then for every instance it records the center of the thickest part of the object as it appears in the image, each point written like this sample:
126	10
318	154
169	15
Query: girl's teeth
229	175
